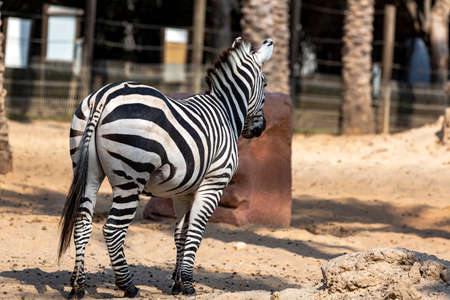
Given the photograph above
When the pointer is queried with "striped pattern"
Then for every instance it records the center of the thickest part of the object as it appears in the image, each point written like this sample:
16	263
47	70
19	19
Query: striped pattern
184	149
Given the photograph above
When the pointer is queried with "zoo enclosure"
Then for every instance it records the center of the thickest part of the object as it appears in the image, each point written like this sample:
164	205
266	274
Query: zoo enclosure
51	88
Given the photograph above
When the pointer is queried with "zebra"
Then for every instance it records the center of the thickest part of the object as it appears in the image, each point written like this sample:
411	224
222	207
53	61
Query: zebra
146	142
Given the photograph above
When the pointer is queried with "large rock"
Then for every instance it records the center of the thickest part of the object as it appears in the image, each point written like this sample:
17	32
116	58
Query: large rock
260	191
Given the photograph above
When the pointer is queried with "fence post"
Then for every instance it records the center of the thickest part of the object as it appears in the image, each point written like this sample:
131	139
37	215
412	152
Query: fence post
86	73
5	151
388	54
44	29
295	40
198	39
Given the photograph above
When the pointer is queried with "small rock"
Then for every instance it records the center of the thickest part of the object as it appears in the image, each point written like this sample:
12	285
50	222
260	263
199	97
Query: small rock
414	273
445	275
402	291
239	246
431	269
275	296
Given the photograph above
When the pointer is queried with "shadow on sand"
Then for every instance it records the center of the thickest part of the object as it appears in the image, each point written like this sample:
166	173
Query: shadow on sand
319	216
312	213
144	276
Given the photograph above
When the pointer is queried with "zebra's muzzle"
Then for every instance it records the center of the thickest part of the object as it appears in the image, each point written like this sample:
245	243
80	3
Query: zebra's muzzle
254	129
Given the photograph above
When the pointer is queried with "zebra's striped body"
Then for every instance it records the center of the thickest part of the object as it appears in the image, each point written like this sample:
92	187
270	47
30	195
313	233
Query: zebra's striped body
144	141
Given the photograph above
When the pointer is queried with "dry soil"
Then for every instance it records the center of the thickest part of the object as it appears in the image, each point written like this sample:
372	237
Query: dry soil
349	194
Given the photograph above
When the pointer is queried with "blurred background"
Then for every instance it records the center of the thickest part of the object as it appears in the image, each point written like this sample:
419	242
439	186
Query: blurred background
332	56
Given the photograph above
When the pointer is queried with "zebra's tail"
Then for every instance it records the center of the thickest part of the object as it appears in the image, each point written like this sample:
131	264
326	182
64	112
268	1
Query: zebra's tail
78	186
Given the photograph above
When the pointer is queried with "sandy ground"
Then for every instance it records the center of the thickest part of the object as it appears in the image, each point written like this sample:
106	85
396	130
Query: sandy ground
349	194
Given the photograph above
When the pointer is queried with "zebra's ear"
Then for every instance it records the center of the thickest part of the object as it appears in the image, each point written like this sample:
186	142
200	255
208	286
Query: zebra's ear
265	51
236	42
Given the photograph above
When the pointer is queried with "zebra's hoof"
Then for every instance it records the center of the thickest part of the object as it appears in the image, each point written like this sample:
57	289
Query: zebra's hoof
131	292
76	294
188	289
177	288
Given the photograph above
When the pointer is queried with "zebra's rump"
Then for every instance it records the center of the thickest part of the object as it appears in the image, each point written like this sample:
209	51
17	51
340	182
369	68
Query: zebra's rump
144	137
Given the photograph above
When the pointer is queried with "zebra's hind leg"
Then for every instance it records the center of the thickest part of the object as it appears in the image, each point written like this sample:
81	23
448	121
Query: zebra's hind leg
82	232
122	213
205	202
83	223
182	209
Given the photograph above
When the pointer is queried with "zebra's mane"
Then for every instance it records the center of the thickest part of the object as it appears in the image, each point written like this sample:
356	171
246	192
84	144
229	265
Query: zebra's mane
242	47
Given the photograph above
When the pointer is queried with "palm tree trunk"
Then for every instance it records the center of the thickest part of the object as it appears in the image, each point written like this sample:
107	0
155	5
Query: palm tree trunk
270	19
439	40
5	152
356	108
221	21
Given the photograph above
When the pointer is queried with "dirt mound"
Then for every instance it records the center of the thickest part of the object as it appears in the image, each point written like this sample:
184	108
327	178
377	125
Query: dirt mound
386	274
382	273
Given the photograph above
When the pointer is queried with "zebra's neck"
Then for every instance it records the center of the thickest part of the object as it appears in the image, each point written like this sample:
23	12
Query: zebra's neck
233	103
230	82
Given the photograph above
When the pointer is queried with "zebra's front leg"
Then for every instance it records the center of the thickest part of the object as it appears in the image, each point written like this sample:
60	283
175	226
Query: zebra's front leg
204	204
120	217
182	210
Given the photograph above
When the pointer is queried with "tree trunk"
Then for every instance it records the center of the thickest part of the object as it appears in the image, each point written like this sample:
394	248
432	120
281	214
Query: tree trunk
264	19
439	41
356	108
221	22
5	152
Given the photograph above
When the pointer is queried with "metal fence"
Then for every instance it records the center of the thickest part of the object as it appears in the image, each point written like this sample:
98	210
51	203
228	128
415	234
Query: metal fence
319	87
52	89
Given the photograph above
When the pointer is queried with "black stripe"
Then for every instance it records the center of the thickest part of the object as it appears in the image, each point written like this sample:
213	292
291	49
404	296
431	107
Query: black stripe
137	166
122	211
122	174
73	150
127	186
141	181
127	90
119	222
79	113
102	92
74	132
120	199
82	208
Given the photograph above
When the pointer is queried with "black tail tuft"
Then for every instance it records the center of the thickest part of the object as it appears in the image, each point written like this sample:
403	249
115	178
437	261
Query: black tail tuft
74	197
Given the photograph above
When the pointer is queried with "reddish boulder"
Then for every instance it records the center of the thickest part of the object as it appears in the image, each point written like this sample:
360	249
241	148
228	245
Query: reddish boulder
159	207
260	191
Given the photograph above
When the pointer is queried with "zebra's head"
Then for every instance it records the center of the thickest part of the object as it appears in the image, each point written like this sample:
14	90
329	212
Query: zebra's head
255	123
238	79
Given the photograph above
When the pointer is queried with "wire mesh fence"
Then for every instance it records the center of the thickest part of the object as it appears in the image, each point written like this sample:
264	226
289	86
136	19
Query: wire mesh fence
318	97
52	88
